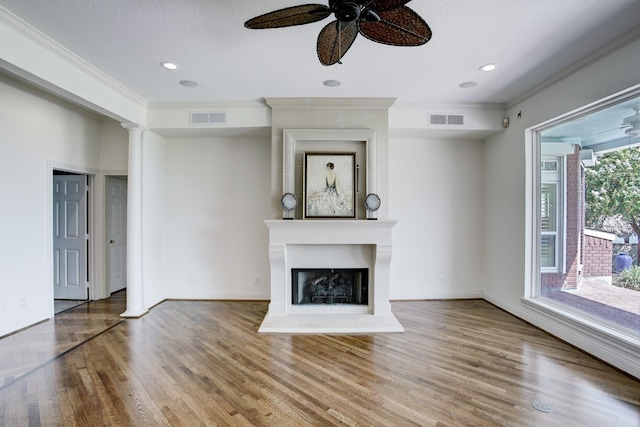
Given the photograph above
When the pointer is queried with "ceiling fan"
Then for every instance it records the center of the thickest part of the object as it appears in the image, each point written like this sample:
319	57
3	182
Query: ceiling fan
632	122
383	21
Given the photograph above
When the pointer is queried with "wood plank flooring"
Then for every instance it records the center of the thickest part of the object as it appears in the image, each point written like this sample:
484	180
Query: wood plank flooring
32	347
191	363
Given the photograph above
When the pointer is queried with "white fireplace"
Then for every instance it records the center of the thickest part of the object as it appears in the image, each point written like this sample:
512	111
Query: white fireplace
334	243
330	244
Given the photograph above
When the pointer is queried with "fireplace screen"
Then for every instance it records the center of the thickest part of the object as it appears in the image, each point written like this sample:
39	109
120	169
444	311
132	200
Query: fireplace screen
329	286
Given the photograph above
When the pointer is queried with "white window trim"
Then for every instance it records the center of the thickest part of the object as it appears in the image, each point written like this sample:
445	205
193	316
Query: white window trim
560	265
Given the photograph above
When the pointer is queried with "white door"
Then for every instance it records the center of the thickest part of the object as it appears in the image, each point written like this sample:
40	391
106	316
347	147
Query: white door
69	237
117	233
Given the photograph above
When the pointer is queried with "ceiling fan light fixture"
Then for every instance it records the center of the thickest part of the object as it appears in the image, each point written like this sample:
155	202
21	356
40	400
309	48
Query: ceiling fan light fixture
633	131
632	122
169	65
488	67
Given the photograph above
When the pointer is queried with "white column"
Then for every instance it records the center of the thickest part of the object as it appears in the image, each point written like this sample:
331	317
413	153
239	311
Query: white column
135	300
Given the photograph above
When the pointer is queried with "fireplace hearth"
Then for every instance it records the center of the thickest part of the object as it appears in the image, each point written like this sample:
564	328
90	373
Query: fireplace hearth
329	286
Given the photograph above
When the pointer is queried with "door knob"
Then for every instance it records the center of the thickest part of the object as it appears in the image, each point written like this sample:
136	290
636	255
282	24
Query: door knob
111	242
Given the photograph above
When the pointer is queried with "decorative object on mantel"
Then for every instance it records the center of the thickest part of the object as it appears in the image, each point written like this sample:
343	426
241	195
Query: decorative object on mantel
372	203
289	203
384	21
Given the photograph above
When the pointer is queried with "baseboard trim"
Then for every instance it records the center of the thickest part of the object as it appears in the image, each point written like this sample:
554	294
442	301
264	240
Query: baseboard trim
216	295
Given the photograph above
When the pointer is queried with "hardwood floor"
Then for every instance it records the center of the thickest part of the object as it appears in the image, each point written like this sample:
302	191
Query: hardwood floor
188	363
39	344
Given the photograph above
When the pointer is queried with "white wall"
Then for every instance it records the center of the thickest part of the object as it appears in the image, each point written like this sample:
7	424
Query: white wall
154	216
504	194
114	148
35	131
217	198
436	196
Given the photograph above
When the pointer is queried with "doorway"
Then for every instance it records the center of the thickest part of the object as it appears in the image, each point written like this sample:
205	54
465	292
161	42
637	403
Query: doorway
71	227
116	232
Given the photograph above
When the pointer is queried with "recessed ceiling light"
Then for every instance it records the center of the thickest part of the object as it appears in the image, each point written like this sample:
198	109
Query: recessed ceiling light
188	83
488	67
331	83
467	85
169	65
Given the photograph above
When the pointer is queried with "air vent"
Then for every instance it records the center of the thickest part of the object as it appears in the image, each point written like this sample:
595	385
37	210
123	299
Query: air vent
446	119
437	119
208	118
456	119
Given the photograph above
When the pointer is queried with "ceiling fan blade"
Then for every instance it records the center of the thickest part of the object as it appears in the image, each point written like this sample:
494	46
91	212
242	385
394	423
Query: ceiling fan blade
334	41
290	16
384	5
398	27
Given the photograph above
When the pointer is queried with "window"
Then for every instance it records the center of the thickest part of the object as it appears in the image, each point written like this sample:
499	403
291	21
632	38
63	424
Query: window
550	210
570	268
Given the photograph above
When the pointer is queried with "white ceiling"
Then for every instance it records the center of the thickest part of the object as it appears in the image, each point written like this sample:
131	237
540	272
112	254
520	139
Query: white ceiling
530	40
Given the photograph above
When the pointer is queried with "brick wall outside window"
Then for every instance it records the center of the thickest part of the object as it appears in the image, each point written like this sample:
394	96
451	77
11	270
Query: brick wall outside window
598	254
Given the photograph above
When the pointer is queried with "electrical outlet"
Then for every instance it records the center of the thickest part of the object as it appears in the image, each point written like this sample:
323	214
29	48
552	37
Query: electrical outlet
256	280
23	302
192	280
441	279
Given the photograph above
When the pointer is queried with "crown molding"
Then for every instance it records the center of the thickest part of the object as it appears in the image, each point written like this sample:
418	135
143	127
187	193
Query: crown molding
419	105
15	23
366	103
595	56
206	105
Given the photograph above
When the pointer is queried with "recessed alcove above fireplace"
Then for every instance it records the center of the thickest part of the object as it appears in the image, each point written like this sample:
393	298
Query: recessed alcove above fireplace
361	143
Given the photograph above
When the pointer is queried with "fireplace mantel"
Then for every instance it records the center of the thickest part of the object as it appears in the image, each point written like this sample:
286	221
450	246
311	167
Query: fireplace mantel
289	239
330	231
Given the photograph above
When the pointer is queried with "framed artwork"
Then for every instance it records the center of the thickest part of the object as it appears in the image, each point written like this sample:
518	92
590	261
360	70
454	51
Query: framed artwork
330	185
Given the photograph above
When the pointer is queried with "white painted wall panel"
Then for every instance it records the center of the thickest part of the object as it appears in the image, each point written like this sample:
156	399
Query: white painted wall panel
217	198
436	196
154	216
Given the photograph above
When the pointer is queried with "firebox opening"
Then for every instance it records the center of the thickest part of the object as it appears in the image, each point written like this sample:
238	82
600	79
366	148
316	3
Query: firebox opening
330	286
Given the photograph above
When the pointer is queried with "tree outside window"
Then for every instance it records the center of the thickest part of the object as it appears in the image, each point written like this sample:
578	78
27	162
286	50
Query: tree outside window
613	193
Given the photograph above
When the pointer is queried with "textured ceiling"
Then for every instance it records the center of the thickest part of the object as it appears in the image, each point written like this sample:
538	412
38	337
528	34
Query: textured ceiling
530	40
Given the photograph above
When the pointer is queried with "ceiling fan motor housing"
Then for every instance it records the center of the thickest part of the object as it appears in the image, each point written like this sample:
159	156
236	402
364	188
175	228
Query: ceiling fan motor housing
346	11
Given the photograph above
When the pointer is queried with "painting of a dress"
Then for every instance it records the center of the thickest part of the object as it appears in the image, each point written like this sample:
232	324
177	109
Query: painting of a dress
330	185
